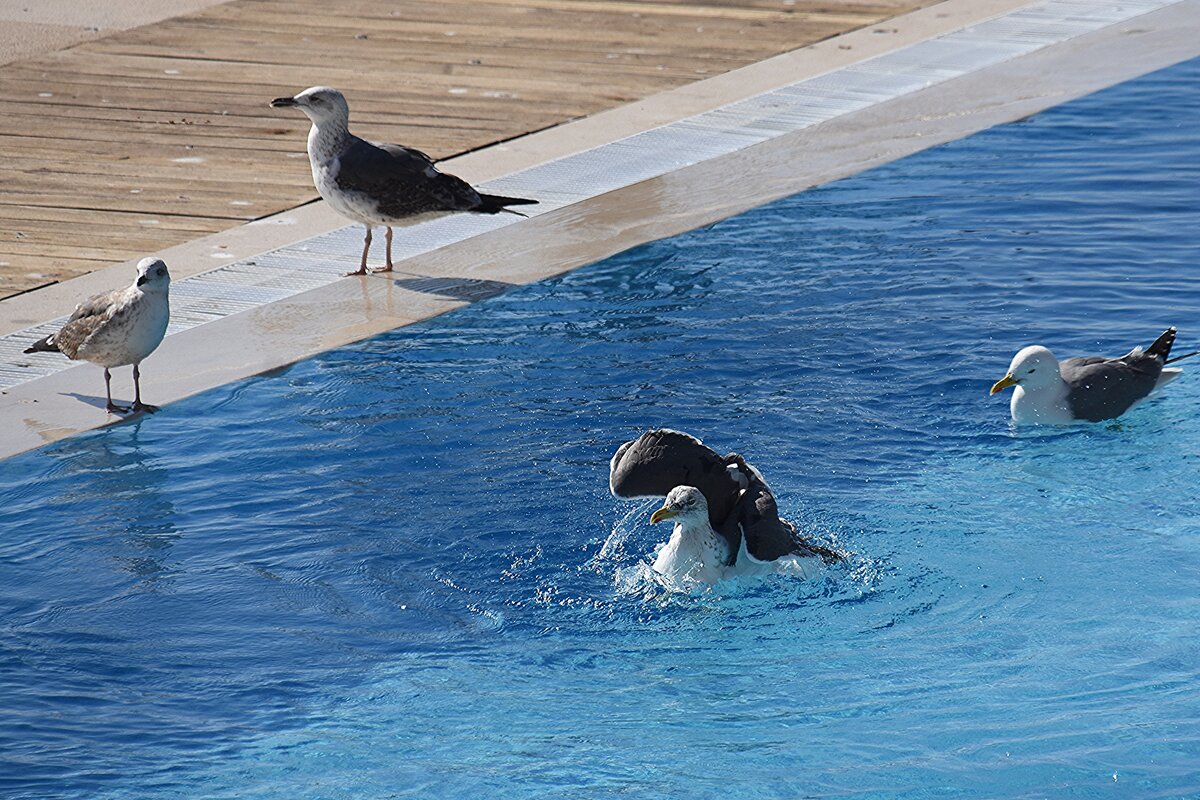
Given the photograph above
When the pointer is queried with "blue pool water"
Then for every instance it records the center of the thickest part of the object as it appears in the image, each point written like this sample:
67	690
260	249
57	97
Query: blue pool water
394	570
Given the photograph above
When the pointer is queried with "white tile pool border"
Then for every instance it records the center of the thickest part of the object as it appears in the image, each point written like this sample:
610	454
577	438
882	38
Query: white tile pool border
317	262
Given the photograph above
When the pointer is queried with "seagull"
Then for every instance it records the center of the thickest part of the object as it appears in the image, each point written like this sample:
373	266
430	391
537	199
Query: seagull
726	520
379	184
118	328
1087	388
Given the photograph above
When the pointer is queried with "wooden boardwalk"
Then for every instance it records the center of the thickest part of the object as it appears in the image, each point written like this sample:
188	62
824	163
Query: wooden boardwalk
148	138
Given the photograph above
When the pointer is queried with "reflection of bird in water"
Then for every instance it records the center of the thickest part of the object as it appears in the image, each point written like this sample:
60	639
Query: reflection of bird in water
726	520
133	518
118	328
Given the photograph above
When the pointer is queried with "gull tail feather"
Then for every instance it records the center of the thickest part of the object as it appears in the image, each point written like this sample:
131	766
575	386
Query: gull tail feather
1182	357
494	204
1162	345
45	345
826	554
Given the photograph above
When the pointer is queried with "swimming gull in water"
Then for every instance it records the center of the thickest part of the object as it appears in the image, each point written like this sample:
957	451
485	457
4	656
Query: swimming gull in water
1087	388
118	328
726	521
379	184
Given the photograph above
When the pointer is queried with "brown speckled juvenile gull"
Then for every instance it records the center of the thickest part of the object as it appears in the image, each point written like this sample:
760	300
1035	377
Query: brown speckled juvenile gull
379	184
118	328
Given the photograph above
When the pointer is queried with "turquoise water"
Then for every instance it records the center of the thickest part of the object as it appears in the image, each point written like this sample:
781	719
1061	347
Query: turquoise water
394	570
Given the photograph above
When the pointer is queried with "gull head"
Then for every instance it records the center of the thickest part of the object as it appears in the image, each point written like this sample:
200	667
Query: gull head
1033	368
153	275
321	104
685	504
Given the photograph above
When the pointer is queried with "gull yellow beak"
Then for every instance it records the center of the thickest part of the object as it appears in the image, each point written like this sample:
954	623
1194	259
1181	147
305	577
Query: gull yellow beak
661	514
1002	384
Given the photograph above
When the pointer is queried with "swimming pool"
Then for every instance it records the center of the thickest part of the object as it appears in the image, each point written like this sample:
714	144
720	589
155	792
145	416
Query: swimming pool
394	570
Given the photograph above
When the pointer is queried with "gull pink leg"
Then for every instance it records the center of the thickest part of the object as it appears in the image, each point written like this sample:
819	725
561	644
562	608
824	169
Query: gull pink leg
388	268
362	268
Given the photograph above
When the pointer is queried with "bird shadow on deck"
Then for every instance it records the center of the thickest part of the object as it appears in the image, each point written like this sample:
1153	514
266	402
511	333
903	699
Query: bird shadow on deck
102	403
468	290
87	399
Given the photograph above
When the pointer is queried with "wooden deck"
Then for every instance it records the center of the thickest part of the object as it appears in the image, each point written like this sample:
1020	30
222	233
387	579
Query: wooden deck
148	138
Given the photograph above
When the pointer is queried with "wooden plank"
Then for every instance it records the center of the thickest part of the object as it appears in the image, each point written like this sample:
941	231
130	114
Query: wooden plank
245	46
30	221
17	217
247	72
79	247
460	100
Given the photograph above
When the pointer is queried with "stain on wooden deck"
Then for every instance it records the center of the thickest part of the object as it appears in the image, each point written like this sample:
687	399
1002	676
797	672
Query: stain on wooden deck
157	135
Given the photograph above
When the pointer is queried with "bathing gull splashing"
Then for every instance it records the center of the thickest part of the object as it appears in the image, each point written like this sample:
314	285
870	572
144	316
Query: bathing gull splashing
726	520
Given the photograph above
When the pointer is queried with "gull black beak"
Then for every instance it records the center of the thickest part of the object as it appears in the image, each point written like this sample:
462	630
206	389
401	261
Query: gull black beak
143	279
283	102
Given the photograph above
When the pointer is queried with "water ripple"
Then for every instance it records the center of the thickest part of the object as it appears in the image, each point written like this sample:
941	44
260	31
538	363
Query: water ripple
395	570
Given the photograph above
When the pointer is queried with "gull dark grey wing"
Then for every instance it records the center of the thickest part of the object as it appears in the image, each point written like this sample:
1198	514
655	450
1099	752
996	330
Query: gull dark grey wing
402	181
657	461
1104	388
767	536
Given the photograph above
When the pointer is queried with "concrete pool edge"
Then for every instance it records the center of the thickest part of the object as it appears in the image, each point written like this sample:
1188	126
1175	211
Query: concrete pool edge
282	332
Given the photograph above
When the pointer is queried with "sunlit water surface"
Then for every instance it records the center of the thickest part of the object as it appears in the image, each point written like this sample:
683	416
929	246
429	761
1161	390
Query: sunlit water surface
395	571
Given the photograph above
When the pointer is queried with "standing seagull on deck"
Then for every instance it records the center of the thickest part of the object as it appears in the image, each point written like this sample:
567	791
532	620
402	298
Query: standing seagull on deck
118	328
379	184
1086	388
